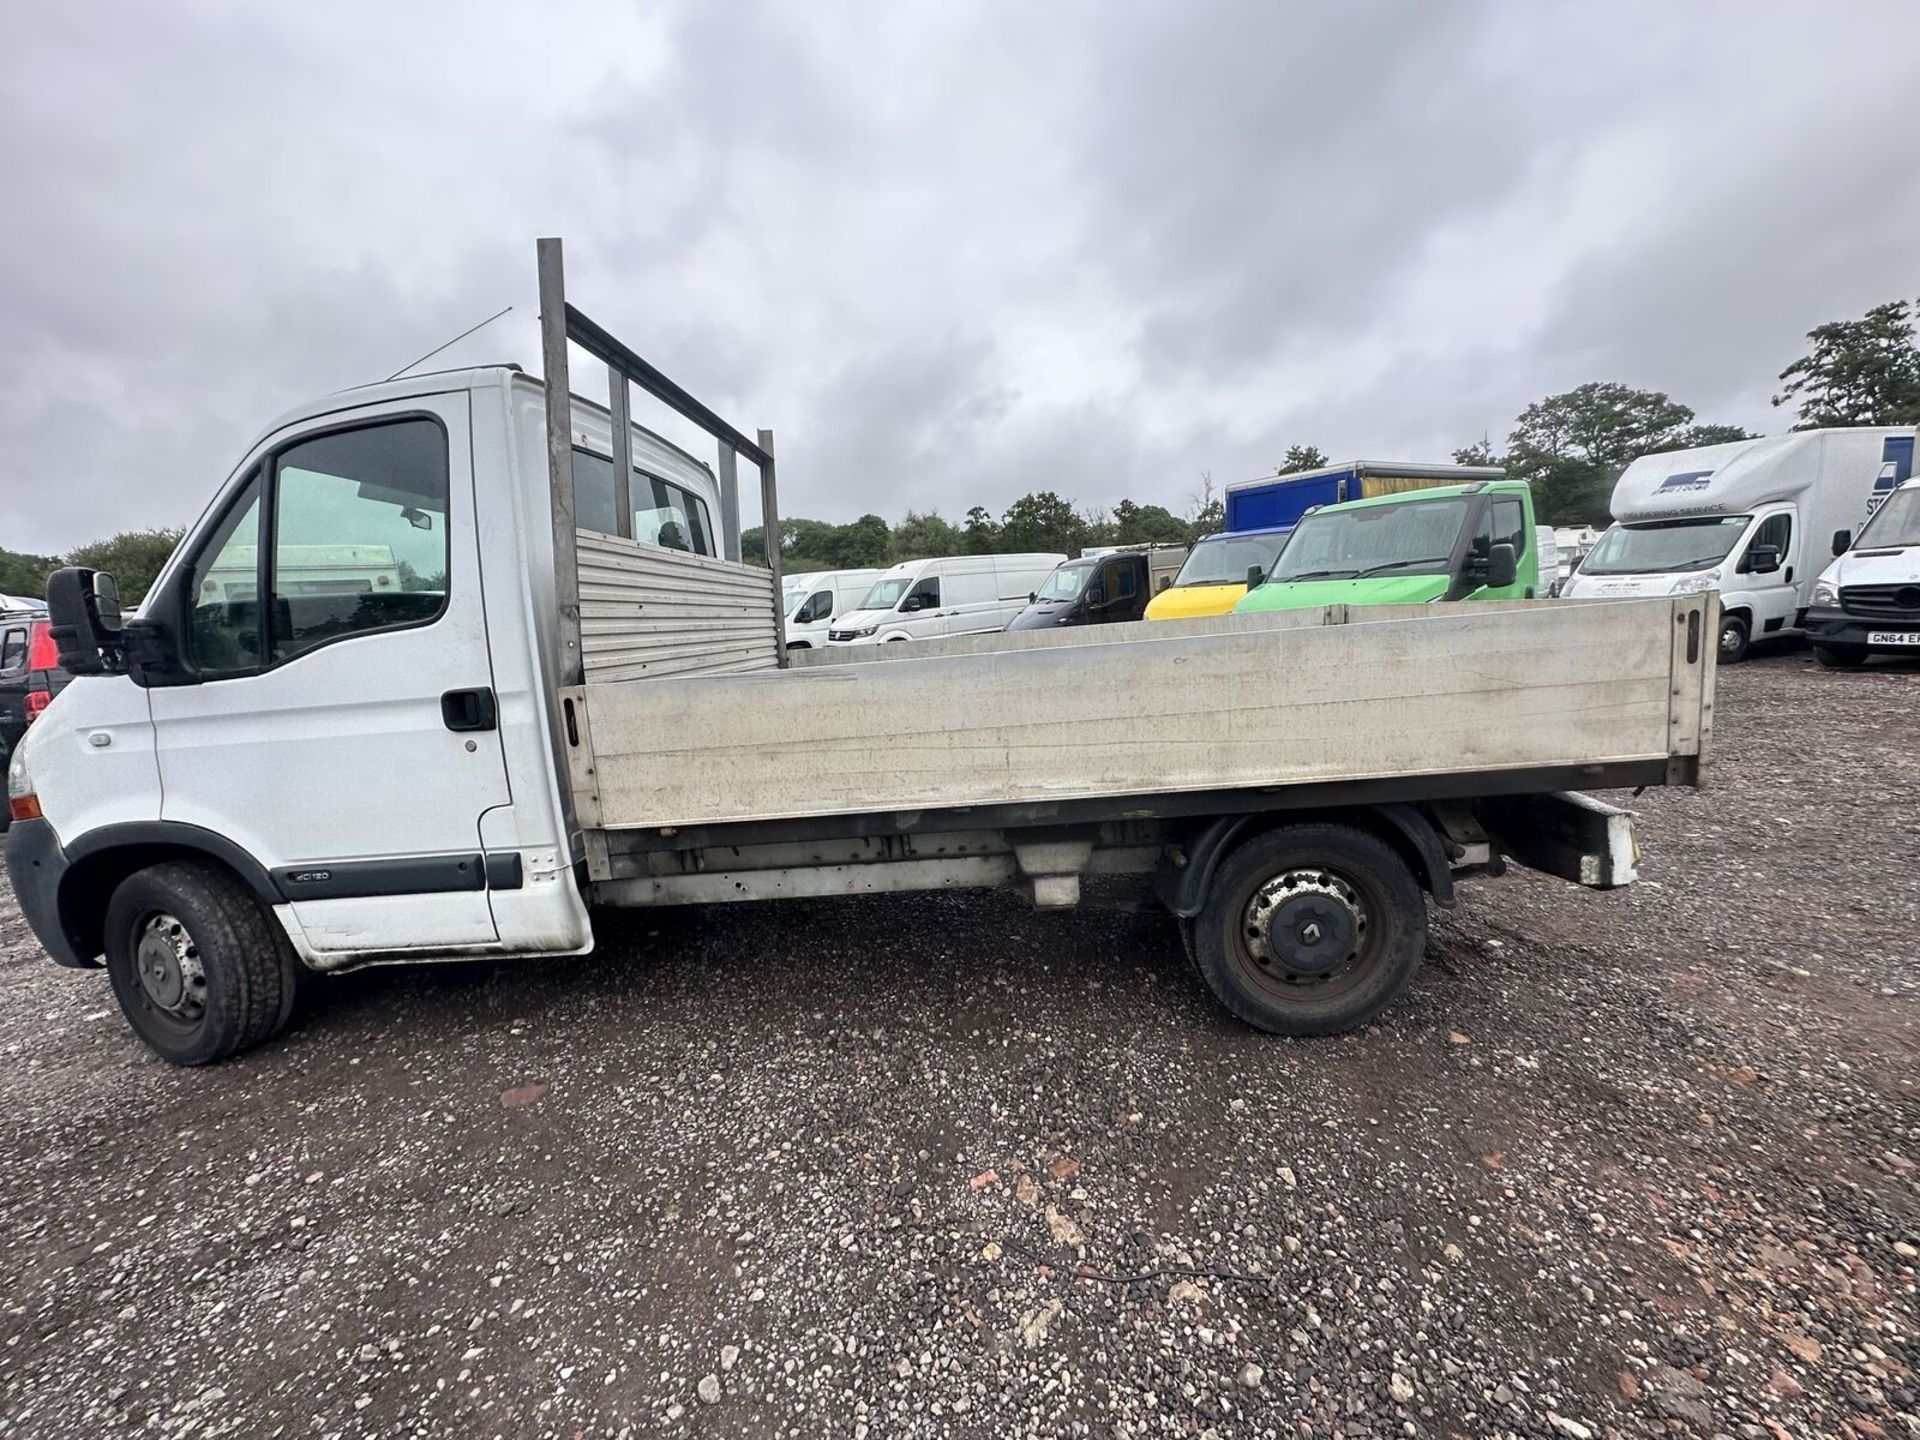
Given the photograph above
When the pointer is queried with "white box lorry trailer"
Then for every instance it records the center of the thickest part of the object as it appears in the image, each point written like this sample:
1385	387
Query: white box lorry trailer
233	795
1752	519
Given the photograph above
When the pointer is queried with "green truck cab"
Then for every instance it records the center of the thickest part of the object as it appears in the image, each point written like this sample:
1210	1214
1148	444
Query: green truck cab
1456	542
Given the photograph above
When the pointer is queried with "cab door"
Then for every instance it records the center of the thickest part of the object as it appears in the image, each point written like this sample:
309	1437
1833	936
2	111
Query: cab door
1770	580
1114	595
333	711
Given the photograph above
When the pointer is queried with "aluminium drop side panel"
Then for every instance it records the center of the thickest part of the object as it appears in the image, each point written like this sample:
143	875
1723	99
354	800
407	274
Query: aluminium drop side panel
1463	690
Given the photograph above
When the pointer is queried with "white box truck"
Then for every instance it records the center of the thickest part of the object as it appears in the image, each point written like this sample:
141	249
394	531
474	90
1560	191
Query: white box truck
1752	519
231	796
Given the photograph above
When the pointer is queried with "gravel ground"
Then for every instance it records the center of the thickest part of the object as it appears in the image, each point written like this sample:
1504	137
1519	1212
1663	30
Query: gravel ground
1640	1164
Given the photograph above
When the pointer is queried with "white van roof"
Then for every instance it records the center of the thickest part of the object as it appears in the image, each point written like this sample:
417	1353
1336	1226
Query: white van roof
1734	478
952	562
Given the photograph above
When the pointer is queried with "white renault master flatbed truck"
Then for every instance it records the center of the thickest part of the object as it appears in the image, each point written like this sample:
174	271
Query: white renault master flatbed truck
240	789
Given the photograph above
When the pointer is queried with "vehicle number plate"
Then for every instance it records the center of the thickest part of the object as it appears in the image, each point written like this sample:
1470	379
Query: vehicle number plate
1893	637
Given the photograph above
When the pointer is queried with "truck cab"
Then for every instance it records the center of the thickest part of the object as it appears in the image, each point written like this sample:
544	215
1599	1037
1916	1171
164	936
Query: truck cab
1103	587
1215	573
813	602
1749	519
1457	542
1867	601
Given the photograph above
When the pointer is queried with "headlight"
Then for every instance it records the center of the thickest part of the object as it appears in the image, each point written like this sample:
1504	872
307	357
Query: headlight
1825	593
22	803
1695	584
866	634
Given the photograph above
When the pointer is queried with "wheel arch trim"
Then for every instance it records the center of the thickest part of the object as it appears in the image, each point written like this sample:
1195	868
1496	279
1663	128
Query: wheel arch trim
99	860
1183	889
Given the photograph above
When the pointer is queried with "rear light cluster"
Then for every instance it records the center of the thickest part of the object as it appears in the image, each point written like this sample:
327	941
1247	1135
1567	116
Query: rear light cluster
42	655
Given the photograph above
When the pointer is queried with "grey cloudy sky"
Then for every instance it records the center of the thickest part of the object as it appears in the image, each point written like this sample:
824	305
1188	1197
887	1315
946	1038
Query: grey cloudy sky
950	252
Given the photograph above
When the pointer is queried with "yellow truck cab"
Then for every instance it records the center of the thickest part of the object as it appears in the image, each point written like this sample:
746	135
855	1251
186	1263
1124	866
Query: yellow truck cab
1215	574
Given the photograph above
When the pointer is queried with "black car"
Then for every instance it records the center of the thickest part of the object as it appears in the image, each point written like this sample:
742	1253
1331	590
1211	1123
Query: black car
30	675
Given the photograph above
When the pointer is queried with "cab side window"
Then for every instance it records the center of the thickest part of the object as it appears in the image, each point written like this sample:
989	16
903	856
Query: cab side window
357	543
223	590
1509	526
925	595
1776	531
359	534
13	650
819	606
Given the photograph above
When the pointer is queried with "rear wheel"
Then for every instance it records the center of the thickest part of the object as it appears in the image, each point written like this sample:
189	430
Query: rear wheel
1840	657
1311	929
1733	639
195	963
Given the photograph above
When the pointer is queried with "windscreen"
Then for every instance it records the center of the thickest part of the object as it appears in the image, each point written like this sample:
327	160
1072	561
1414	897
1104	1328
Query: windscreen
886	593
1224	559
1066	583
1664	547
1416	537
1895	524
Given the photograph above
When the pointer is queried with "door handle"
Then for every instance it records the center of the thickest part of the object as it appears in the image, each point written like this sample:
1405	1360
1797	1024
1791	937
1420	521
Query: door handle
472	709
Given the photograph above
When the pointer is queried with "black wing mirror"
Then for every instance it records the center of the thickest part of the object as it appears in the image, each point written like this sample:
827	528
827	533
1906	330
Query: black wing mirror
83	608
1254	576
1762	559
1503	566
1842	542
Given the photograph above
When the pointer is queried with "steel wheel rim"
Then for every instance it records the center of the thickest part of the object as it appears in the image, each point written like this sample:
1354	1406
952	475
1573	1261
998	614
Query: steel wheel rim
1730	639
168	969
1305	933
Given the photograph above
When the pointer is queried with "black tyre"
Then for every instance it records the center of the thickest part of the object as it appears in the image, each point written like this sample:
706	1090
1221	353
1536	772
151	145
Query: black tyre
1733	639
196	964
1840	657
1311	929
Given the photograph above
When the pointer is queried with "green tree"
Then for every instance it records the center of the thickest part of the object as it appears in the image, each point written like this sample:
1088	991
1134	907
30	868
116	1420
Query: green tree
921	537
1695	436
1859	372
1478	453
1302	457
1101	528
1146	525
1573	446
866	543
133	558
26	575
980	535
1042	522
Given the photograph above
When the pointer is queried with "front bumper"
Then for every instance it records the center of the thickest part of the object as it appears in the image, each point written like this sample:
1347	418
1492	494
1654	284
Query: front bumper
36	865
1828	625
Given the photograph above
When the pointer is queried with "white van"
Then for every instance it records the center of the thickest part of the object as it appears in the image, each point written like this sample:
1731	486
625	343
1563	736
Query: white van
953	595
1868	600
814	602
1752	519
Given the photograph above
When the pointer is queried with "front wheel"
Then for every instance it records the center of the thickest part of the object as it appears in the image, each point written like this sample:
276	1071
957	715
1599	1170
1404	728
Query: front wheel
1733	640
1311	929
1840	657
195	964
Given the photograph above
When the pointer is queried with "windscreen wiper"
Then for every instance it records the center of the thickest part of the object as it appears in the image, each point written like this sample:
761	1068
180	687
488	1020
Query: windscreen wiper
1320	575
1400	565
